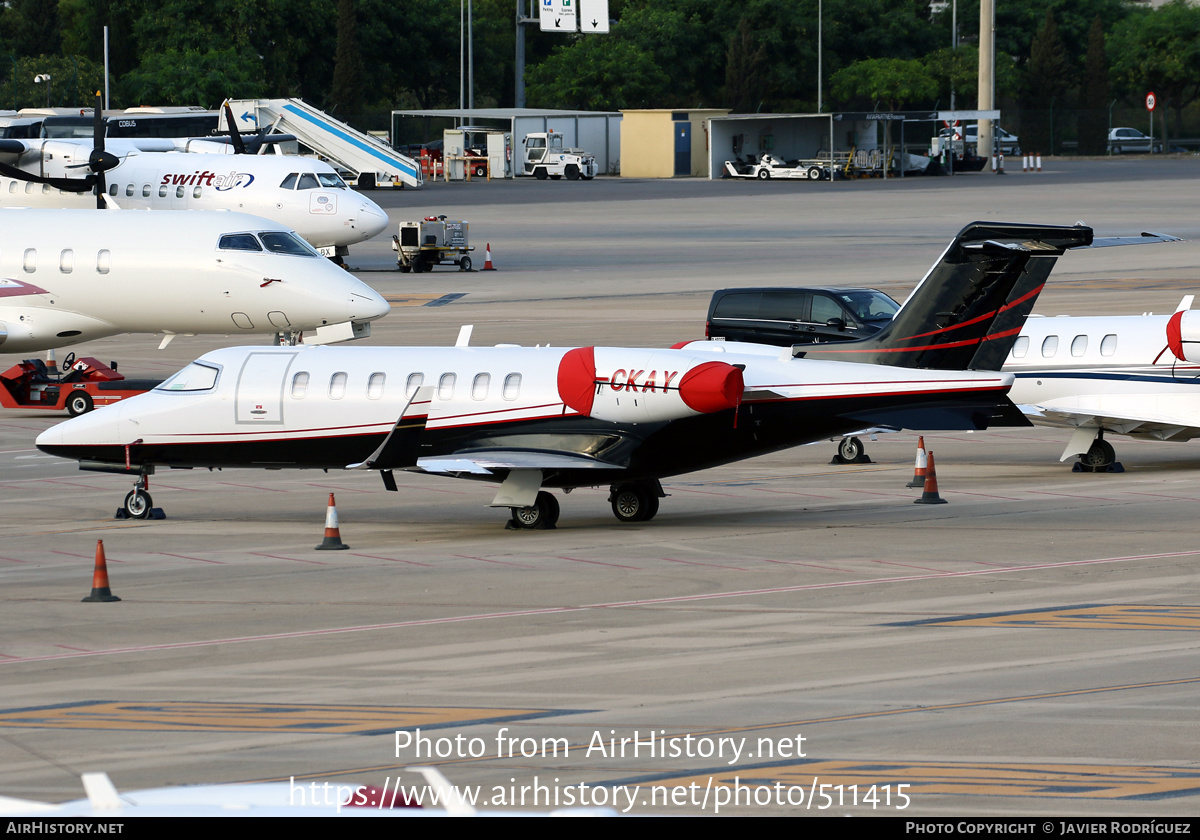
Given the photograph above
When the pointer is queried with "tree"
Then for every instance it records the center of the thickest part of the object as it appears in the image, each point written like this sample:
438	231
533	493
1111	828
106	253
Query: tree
745	70
894	81
1159	50
348	70
1093	95
1048	79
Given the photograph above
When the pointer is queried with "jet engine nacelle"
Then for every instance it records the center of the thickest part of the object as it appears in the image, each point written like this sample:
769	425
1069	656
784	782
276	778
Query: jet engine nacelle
29	329
651	386
1183	335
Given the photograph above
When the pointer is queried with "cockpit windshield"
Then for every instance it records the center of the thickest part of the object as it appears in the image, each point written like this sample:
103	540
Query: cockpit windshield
313	181
331	180
283	242
195	377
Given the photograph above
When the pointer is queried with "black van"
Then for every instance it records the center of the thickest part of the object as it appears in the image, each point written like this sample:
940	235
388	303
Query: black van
786	316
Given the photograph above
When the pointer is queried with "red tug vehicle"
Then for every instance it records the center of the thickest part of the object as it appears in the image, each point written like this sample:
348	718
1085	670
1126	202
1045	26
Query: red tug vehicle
81	385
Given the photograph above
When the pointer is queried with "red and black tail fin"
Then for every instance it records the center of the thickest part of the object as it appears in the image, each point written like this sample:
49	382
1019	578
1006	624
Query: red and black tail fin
967	312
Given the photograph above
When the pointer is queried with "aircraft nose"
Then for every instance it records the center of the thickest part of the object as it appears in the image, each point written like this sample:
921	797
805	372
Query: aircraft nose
371	218
367	304
71	438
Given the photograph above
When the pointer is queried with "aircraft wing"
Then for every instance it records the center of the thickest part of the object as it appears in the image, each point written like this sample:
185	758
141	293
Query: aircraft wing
1144	238
486	461
1085	423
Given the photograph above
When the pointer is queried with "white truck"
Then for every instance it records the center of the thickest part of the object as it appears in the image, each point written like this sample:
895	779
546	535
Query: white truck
544	157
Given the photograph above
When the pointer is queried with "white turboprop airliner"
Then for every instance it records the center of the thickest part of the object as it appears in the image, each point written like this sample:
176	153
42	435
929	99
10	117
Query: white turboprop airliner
69	276
1128	375
529	418
308	196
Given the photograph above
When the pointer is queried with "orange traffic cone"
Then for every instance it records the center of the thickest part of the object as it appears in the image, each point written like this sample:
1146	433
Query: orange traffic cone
930	496
919	469
100	590
487	259
333	537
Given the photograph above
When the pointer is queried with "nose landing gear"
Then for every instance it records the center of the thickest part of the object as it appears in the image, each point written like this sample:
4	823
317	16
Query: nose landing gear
138	504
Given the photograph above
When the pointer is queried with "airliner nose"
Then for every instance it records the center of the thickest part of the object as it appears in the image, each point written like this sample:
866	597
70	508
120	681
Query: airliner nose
371	218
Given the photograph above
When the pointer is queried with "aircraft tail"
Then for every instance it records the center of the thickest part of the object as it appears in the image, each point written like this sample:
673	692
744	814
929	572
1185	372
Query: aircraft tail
968	311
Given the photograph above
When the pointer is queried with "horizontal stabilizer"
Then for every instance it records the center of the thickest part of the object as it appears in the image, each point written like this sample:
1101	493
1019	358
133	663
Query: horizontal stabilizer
1141	239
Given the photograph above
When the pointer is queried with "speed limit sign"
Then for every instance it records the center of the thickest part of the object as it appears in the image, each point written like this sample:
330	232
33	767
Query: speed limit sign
1150	101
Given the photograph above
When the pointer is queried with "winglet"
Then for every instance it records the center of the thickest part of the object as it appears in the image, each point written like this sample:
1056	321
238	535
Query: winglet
411	420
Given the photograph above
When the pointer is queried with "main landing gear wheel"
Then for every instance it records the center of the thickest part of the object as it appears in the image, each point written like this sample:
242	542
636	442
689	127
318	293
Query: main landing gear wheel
79	403
634	503
851	449
1099	455
542	515
137	504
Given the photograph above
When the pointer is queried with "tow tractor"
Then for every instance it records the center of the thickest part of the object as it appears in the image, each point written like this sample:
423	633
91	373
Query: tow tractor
432	241
81	385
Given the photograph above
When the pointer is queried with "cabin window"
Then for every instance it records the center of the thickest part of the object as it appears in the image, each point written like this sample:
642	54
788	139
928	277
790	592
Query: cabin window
1049	346
29	188
1079	345
66	261
414	382
479	388
45	189
179	192
129	189
194	377
112	190
162	191
1108	345
300	385
446	386
145	191
239	242
337	386
289	183
375	386
12	186
512	386
103	261
30	261
195	192
308	181
1021	347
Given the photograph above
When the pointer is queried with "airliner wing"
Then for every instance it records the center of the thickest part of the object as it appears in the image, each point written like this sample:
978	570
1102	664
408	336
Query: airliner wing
1085	423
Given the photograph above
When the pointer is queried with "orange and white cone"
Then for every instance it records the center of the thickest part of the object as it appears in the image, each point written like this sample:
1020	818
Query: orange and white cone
333	537
487	259
930	496
100	590
920	466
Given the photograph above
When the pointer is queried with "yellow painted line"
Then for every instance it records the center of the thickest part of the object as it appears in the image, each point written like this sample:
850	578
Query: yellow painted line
250	717
1100	617
428	299
928	778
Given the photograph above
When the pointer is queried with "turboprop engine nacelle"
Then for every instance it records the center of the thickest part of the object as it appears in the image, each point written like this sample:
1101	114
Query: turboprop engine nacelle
645	386
1183	335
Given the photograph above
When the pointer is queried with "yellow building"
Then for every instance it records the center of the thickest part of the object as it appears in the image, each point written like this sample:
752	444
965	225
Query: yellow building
664	143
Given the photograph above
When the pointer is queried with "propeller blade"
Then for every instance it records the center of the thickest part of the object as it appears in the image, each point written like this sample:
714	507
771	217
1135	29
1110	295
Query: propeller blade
239	147
98	158
79	185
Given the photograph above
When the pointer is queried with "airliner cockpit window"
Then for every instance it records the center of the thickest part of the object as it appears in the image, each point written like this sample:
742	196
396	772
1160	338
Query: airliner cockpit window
332	180
282	242
289	183
308	181
239	242
194	377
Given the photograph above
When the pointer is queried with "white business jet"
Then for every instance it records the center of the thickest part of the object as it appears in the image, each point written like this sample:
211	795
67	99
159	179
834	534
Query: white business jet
307	196
1129	375
69	276
529	418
